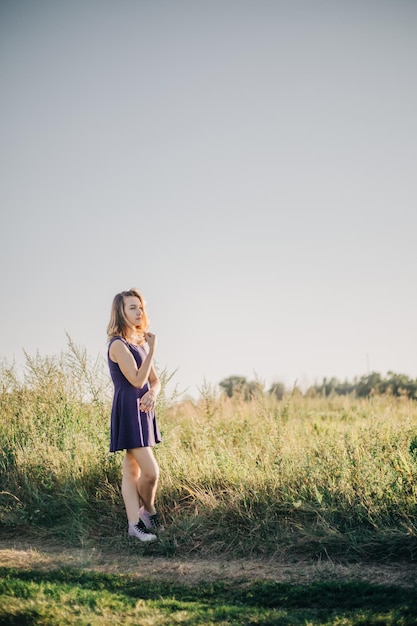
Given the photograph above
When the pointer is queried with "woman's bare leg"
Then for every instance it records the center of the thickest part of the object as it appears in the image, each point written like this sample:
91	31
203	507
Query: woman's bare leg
147	481
131	473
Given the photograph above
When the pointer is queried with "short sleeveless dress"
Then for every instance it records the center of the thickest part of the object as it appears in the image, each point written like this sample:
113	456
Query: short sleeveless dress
129	426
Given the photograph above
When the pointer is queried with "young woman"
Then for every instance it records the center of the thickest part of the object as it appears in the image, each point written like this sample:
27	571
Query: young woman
133	423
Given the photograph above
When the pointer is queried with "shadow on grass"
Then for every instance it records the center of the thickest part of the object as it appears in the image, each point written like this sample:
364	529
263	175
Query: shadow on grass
237	602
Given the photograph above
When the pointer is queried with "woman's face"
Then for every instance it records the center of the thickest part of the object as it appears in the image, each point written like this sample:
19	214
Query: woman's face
133	310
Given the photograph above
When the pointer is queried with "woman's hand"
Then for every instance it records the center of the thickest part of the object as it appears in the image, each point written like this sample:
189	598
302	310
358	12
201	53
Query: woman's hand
147	401
150	339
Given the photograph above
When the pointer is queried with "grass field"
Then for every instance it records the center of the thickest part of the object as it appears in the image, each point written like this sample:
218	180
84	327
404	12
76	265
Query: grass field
71	596
303	478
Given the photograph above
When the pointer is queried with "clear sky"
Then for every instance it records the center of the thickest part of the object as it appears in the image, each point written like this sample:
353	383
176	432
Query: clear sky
250	166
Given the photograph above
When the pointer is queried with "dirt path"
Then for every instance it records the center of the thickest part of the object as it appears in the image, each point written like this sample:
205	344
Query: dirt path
39	555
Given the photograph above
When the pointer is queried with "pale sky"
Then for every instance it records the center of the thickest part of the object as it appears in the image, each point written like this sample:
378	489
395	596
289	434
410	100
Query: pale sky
250	166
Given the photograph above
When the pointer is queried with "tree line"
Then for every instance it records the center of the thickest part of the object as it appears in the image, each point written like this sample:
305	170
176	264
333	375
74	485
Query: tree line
365	386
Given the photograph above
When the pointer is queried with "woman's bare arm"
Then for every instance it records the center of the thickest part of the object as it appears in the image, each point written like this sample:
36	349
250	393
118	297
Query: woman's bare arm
137	376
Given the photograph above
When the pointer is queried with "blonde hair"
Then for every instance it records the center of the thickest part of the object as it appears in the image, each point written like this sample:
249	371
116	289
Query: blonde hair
119	325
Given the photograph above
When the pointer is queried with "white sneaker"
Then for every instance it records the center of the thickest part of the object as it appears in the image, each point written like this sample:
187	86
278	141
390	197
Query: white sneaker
139	531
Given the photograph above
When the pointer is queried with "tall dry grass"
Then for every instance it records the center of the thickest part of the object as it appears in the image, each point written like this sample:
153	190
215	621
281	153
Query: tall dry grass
331	477
336	475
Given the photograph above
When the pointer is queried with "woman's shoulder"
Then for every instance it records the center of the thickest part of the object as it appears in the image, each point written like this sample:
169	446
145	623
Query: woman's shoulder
117	345
117	338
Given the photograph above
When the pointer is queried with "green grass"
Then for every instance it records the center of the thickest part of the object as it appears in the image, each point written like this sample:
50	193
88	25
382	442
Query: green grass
319	477
71	596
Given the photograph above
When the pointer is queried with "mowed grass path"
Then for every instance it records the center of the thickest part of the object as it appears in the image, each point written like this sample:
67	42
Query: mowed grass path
73	596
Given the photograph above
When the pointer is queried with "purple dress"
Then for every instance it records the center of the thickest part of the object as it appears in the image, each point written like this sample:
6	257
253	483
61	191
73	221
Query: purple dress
130	427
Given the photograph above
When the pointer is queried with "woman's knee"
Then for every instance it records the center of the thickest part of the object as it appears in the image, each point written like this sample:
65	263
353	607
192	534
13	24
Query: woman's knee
149	468
150	474
130	468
